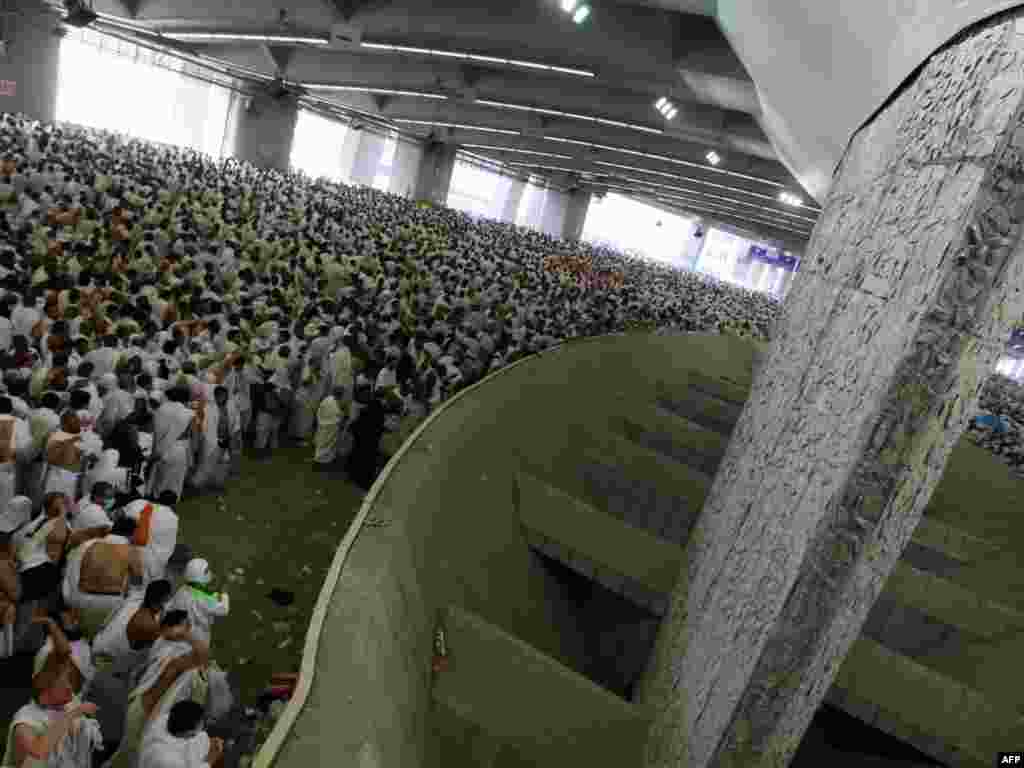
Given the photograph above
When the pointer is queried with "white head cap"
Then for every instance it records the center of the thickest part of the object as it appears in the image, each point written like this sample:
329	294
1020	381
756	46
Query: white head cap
18	512
91	516
197	571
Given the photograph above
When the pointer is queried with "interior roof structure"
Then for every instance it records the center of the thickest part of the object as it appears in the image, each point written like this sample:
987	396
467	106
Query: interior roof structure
517	83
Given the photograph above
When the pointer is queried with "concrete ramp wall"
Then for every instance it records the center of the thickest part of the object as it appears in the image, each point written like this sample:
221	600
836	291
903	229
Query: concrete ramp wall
440	535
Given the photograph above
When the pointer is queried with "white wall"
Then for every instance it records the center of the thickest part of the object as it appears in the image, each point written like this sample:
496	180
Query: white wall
822	67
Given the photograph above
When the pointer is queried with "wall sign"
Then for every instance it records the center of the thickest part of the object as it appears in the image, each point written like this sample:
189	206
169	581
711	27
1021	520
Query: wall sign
8	87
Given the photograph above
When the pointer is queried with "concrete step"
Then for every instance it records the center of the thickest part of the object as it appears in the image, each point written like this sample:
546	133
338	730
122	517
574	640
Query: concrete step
627	560
628	481
703	408
954	631
671	435
520	697
939	716
974	563
973	474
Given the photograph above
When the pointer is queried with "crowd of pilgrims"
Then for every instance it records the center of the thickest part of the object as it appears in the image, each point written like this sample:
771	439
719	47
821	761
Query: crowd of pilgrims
162	313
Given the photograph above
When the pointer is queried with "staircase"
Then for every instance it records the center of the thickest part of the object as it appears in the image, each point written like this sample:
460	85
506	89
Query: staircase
934	666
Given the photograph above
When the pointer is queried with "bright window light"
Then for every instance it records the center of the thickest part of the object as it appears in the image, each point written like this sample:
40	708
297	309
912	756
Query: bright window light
581	14
714	158
316	148
165	106
569	5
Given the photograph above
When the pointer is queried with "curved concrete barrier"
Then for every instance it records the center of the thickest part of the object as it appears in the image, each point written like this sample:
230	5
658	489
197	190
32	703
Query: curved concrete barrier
440	531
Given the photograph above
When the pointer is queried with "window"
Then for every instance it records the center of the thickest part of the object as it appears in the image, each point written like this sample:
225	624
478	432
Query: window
316	148
382	180
629	225
106	83
474	190
531	206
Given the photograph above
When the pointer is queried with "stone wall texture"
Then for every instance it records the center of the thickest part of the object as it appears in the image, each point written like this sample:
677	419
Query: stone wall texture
906	296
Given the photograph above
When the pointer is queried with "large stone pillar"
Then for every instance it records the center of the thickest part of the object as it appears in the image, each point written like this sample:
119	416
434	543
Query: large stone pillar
408	156
435	173
29	70
265	131
513	198
577	203
360	156
901	308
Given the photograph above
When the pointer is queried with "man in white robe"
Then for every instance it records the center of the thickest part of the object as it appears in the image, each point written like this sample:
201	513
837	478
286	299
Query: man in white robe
331	417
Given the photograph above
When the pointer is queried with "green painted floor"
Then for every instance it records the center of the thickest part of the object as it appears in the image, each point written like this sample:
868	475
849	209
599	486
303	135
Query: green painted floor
280	522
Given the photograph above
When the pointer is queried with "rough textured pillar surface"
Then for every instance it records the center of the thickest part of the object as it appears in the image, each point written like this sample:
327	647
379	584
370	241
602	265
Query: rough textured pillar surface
408	156
902	306
265	131
30	68
513	199
435	173
577	203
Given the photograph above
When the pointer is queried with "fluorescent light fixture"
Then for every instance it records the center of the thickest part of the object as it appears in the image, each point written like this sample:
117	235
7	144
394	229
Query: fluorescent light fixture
672	115
243	37
369	89
790	199
571	71
528	64
569	141
581	14
487	59
660	102
545	167
477	57
713	157
410	49
450	54
519	151
464	127
571	115
569	5
667	159
631	126
694	181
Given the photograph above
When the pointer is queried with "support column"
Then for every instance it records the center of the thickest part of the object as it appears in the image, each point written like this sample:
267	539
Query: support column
265	131
360	156
435	173
906	297
408	156
577	203
692	245
29	71
787	280
513	199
